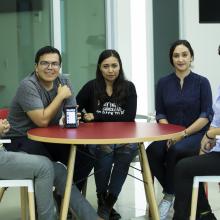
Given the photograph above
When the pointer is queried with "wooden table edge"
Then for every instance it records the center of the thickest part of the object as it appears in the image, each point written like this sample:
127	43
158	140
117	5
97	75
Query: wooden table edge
104	141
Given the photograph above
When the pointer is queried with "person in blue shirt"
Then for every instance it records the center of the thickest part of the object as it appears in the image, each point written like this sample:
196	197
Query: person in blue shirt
201	165
182	98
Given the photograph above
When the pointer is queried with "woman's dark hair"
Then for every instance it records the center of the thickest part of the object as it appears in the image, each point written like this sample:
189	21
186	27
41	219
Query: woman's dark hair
120	84
46	50
177	43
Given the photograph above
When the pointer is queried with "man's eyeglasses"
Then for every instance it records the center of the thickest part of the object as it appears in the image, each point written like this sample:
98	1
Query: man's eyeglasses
54	65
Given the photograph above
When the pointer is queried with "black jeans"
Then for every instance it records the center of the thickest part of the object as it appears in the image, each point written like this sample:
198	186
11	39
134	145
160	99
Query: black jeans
186	169
163	162
110	178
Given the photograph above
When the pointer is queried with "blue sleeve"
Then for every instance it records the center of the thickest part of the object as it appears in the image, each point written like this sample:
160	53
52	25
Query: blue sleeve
206	100
160	107
216	108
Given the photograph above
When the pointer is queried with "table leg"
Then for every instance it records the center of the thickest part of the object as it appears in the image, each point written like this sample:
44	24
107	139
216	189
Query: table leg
148	185
69	180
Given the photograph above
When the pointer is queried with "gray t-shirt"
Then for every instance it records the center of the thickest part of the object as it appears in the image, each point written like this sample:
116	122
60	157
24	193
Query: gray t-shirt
30	96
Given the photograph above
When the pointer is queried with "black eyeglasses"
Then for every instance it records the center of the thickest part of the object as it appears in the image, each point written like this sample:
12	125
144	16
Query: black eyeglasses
46	64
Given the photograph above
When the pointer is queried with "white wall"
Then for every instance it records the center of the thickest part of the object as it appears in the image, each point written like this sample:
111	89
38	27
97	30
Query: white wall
130	23
204	39
119	31
126	19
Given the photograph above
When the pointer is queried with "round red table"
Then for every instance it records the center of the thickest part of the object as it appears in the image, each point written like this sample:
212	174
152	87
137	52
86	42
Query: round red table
108	133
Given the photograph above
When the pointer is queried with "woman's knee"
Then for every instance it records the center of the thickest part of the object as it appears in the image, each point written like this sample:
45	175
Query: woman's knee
156	149
186	147
104	158
125	154
178	150
104	151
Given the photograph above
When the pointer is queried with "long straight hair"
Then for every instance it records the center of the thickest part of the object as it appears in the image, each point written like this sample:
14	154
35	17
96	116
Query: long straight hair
119	85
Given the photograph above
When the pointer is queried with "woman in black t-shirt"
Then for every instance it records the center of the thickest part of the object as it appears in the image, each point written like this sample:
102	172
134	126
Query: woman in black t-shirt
109	97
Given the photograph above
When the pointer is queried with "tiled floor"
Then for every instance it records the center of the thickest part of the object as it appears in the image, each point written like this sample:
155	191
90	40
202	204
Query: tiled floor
131	203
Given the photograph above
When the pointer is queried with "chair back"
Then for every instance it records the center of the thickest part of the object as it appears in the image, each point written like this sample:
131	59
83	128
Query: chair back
4	113
145	118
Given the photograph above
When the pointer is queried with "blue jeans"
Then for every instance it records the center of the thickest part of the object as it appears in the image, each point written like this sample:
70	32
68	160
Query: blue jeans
110	178
162	161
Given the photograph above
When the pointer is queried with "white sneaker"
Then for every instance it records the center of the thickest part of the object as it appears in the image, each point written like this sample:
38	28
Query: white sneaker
164	208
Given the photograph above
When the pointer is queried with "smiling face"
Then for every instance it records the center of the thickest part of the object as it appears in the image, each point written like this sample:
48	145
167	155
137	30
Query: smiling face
47	69
182	59
110	69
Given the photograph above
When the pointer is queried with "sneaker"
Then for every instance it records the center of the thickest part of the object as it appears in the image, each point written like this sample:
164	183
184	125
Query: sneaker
164	208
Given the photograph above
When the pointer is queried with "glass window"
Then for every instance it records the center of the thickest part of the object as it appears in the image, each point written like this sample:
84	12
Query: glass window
26	26
83	38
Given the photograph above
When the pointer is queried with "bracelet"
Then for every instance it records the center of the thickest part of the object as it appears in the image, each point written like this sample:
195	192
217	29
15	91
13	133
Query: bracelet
206	134
185	134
